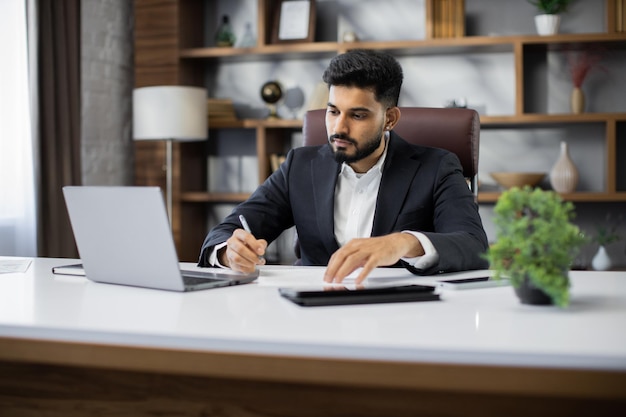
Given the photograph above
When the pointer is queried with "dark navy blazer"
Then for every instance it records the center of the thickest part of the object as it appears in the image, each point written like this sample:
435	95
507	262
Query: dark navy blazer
422	189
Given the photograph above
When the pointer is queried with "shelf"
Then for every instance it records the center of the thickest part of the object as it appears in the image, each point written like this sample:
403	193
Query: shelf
325	49
556	41
486	43
270	51
582	197
486	121
254	123
206	197
536	118
425	46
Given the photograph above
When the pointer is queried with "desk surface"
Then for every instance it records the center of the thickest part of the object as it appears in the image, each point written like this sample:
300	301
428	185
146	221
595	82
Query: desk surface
474	327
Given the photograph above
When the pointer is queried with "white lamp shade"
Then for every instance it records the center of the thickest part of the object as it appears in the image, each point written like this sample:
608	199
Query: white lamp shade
170	112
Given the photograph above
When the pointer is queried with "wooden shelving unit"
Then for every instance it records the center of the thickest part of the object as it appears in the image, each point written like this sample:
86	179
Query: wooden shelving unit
170	50
426	46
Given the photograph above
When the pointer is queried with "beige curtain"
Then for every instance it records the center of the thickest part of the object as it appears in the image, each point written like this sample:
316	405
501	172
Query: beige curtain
59	127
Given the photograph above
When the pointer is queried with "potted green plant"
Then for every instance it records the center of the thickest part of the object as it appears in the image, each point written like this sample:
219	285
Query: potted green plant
536	243
548	20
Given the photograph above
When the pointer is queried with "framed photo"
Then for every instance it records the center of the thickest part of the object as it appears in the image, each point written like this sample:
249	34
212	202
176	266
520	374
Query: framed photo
294	21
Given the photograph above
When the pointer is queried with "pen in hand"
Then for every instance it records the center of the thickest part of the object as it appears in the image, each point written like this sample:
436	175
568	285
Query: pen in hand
245	224
246	227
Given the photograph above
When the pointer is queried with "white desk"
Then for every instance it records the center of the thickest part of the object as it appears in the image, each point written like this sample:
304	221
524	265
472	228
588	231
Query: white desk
479	346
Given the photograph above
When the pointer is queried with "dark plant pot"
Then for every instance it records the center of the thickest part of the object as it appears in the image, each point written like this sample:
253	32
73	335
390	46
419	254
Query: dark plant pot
529	294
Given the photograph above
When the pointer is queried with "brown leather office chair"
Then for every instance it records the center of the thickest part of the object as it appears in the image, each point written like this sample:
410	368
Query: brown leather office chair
454	129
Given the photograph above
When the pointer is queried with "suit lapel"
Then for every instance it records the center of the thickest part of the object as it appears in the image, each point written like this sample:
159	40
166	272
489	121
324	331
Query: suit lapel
324	172
401	166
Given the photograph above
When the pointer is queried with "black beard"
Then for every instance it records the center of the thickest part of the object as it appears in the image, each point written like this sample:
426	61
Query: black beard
369	147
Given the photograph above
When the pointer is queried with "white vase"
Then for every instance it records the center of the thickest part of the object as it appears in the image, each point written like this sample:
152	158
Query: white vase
547	24
601	261
564	174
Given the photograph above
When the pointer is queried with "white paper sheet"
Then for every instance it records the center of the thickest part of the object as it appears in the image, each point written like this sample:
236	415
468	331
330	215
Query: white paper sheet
8	266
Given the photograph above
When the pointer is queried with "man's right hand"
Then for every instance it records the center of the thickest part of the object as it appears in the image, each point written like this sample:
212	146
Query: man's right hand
243	252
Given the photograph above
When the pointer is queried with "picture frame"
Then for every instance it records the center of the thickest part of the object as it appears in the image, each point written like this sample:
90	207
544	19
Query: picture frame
294	21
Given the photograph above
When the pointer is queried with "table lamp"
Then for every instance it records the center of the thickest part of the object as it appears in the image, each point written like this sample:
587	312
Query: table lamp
170	113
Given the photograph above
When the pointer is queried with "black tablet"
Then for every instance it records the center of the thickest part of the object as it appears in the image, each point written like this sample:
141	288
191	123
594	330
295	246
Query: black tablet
336	295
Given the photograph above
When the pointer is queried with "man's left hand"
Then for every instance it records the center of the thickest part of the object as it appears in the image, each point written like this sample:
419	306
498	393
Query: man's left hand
369	253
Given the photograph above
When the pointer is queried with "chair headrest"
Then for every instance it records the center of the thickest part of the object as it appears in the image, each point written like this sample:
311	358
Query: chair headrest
454	129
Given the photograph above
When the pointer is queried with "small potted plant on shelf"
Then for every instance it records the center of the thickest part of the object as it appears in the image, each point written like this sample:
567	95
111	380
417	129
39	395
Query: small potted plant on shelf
605	235
535	244
548	20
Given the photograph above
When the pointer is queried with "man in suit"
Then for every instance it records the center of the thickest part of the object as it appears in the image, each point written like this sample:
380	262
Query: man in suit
367	198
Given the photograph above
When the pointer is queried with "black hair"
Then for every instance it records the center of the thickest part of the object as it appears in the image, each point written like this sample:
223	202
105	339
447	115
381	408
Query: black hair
364	68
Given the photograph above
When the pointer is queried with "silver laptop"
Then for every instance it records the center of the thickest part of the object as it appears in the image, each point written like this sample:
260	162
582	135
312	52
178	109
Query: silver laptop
123	237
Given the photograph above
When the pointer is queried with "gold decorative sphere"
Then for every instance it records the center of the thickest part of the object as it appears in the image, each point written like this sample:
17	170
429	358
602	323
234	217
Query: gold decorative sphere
271	92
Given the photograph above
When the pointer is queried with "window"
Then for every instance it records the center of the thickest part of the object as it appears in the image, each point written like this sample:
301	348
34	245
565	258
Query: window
17	175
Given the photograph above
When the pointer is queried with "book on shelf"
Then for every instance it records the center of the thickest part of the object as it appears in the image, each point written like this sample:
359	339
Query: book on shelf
616	16
276	160
221	109
445	19
620	16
